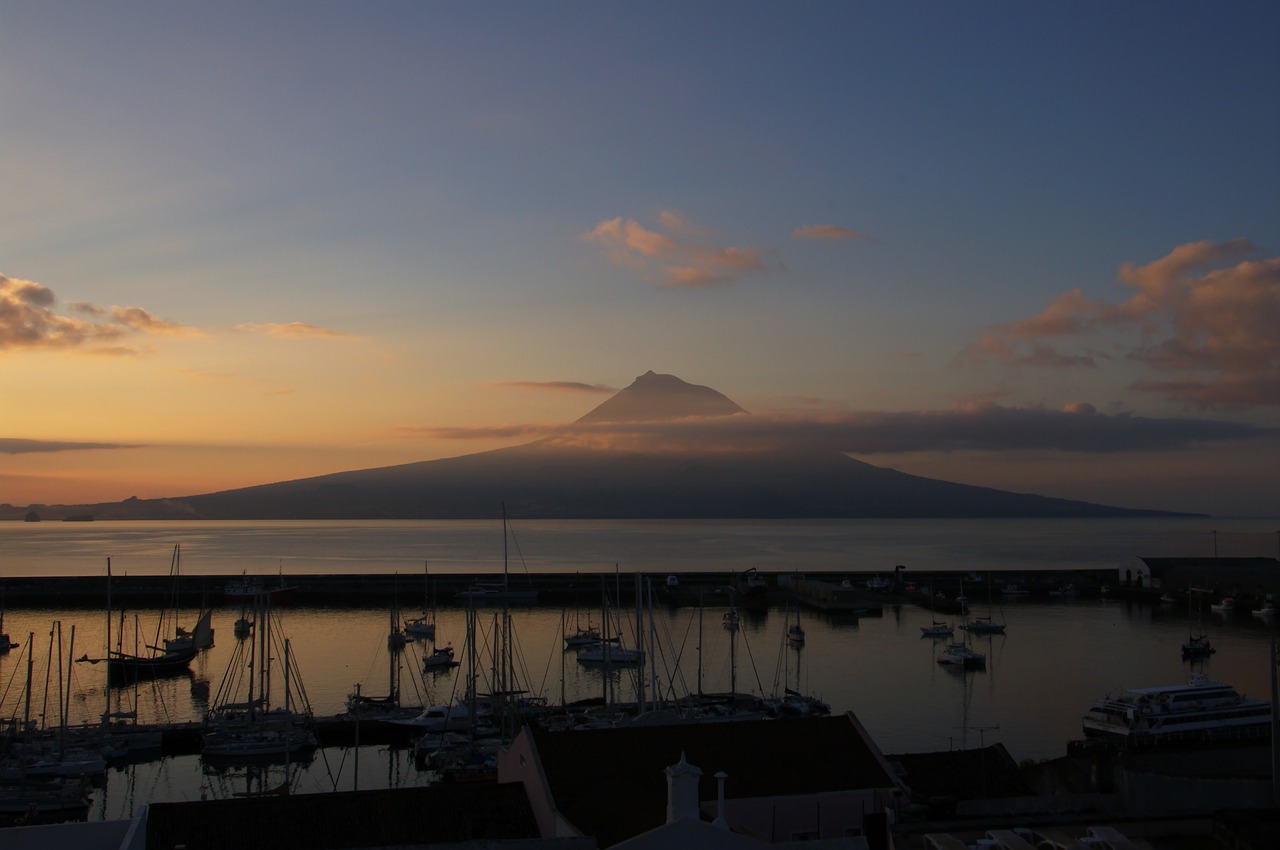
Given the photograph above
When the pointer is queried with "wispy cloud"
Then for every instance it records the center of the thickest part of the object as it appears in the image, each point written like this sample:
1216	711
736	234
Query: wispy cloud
292	330
1202	313
18	446
830	232
557	386
1078	427
684	256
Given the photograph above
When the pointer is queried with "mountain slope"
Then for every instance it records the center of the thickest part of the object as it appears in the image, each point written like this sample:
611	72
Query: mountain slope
562	478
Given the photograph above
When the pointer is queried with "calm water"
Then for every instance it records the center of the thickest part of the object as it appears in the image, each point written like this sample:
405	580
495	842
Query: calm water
1040	676
653	547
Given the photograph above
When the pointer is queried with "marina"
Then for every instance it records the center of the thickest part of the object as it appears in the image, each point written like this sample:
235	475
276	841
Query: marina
874	659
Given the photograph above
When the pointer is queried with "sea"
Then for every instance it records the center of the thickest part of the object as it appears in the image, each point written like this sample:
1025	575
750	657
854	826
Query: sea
1058	653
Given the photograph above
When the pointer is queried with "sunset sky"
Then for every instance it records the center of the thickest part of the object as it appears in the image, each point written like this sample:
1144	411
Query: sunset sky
1025	245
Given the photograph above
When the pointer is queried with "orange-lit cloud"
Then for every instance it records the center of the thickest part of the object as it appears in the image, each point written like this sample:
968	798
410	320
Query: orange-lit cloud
292	330
685	256
829	232
1201	311
28	319
557	386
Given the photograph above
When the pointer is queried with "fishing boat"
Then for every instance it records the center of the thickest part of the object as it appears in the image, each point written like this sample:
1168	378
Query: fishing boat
1201	709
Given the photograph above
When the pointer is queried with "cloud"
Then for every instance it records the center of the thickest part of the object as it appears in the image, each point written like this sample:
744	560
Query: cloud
1079	427
1202	312
557	386
292	330
829	232
684	257
28	319
17	446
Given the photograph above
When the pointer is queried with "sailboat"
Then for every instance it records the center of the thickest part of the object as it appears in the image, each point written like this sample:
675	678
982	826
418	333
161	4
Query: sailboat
482	592
397	638
939	628
795	634
162	661
201	636
1197	646
256	727
958	654
984	625
5	643
424	626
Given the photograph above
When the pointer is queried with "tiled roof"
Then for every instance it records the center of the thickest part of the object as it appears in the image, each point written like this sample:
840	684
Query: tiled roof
610	783
381	818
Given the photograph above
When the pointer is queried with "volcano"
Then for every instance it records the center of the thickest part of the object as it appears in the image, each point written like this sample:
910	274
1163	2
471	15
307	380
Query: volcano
580	475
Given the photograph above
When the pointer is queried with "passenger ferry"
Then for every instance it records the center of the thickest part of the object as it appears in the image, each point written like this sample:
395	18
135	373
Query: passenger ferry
1202	708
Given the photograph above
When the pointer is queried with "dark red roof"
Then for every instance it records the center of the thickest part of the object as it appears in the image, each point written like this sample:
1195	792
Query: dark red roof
611	783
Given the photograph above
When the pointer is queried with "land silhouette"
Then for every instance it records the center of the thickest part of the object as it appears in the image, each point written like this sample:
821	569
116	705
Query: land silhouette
651	451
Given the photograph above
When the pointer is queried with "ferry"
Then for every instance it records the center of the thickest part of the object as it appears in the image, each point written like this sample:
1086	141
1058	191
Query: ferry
1202	708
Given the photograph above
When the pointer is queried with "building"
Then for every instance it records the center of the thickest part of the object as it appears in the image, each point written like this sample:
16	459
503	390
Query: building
1254	577
783	781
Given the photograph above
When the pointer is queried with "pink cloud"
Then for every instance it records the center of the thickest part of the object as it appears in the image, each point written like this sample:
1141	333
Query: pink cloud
684	256
1200	310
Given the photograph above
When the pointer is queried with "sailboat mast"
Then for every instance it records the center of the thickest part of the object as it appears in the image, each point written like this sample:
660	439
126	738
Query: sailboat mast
106	689
640	671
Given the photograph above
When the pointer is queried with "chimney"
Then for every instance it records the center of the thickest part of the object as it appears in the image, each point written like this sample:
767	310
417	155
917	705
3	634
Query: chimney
720	822
682	791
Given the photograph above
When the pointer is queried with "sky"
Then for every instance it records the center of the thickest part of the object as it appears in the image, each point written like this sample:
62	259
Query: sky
1023	245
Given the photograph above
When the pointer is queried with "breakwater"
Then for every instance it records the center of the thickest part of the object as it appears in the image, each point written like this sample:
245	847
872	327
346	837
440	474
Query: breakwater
365	589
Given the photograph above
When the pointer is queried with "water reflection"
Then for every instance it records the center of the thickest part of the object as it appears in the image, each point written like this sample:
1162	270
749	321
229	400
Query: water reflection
1054	660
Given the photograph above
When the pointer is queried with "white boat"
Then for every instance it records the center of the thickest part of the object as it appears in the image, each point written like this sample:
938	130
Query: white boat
1267	610
1202	708
441	658
255	728
937	630
880	584
959	655
983	626
424	626
1226	606
439	718
1014	590
583	636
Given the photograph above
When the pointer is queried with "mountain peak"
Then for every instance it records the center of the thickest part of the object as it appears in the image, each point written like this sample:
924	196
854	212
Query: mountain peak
654	397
